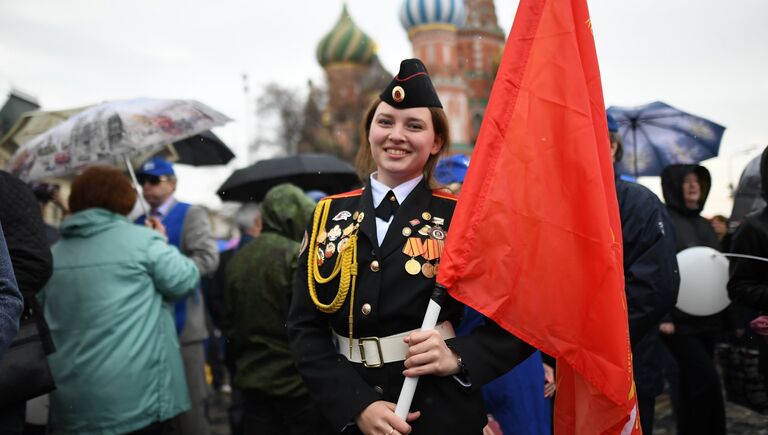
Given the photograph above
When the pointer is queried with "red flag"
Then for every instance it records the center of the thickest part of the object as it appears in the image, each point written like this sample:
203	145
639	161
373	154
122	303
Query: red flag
535	242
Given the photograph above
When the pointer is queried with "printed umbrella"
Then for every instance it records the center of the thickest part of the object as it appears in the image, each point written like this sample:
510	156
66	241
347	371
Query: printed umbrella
111	132
656	135
308	171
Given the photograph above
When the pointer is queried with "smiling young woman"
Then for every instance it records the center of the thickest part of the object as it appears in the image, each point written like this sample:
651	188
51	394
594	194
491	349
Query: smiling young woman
366	273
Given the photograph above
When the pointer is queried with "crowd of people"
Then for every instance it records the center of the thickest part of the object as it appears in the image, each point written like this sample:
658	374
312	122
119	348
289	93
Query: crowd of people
312	321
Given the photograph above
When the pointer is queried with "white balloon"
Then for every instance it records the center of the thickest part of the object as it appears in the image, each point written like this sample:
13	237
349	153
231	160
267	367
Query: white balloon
703	281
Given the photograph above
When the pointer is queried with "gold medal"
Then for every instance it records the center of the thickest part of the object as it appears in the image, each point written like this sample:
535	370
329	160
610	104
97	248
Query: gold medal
321	236
428	270
406	231
424	231
426	216
348	230
412	266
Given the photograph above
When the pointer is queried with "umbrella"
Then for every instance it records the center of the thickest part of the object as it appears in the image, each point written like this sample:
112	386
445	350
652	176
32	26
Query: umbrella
747	196
308	171
656	135
204	149
111	132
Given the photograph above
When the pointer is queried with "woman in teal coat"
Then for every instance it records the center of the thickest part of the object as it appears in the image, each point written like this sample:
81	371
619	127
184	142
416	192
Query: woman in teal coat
117	364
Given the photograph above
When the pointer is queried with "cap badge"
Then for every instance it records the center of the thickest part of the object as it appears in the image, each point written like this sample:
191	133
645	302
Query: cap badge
398	94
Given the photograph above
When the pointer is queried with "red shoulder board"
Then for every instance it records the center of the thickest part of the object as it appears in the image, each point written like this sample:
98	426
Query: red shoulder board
349	194
443	193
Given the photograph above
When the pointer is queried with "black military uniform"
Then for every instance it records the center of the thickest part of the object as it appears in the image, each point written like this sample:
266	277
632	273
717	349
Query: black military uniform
389	300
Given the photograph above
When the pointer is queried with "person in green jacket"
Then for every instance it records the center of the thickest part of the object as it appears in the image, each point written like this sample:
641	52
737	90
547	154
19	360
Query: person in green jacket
259	285
117	364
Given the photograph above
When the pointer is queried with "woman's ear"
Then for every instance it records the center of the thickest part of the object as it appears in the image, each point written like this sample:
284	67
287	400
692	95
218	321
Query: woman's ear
437	146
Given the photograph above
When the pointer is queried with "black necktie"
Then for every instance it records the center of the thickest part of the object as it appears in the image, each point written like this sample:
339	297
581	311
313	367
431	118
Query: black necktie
388	207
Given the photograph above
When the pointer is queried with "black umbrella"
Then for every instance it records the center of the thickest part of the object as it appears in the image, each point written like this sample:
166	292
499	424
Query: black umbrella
747	196
308	171
204	149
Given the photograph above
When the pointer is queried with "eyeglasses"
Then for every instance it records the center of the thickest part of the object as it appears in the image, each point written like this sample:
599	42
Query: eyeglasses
153	180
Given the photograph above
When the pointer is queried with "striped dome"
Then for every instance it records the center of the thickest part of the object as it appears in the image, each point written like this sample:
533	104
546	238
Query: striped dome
416	13
345	43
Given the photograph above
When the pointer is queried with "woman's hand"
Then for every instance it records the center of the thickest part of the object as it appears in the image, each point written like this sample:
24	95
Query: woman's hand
549	381
667	328
429	355
379	419
157	225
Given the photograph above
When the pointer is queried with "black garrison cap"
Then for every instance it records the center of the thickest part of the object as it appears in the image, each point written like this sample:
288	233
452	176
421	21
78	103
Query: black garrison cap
411	87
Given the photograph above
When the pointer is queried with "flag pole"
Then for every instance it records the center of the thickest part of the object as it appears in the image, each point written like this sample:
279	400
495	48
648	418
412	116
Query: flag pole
430	320
136	185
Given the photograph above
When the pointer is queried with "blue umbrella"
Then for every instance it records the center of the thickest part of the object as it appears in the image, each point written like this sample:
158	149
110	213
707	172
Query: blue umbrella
656	135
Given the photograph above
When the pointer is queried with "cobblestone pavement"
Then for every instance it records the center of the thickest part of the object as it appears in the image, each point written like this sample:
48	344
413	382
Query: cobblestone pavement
740	420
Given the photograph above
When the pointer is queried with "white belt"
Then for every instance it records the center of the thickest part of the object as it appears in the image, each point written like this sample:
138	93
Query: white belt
377	351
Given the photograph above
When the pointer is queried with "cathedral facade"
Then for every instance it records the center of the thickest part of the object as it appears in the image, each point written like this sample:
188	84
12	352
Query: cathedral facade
459	41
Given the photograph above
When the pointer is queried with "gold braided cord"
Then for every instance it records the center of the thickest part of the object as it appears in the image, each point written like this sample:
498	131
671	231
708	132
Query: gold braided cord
346	264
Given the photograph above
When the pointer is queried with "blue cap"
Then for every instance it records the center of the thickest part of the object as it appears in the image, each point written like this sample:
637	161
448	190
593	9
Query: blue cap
156	166
452	169
613	126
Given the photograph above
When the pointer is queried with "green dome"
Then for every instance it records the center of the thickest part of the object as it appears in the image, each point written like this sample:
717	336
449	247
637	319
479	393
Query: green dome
345	43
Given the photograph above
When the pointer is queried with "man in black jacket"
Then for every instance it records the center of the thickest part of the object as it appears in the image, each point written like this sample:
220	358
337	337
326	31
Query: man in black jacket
749	277
651	279
31	258
692	338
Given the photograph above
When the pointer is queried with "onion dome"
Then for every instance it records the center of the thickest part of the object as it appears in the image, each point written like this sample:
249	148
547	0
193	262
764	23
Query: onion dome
345	43
415	13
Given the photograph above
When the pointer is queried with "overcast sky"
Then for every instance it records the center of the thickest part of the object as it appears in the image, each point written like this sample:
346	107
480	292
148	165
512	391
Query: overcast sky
708	57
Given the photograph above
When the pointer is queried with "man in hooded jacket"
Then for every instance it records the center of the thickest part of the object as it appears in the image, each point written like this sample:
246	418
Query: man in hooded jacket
258	292
692	338
749	277
651	279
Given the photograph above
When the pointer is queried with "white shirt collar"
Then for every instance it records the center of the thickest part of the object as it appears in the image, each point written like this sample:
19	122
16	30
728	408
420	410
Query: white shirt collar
379	190
166	206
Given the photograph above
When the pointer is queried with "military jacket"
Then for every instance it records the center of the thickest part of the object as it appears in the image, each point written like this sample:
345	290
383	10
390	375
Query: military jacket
388	299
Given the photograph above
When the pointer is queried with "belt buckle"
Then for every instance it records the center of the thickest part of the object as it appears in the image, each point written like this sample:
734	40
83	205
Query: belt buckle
360	344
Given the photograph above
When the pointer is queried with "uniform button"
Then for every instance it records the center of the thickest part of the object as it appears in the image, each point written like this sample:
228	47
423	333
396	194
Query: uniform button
378	390
375	265
366	309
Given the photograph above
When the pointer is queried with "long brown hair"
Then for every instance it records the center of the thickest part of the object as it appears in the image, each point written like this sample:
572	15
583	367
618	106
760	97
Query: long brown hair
364	163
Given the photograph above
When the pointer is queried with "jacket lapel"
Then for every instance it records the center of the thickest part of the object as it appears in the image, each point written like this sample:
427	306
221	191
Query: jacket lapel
368	225
417	202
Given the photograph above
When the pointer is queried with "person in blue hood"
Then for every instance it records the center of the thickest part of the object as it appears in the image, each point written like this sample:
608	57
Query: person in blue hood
651	279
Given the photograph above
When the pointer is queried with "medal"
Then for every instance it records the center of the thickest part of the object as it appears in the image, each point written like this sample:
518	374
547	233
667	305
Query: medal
320	257
334	233
436	233
426	216
330	250
428	270
406	231
424	231
348	230
412	267
321	236
343	244
342	216
414	222
431	250
438	221
413	248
